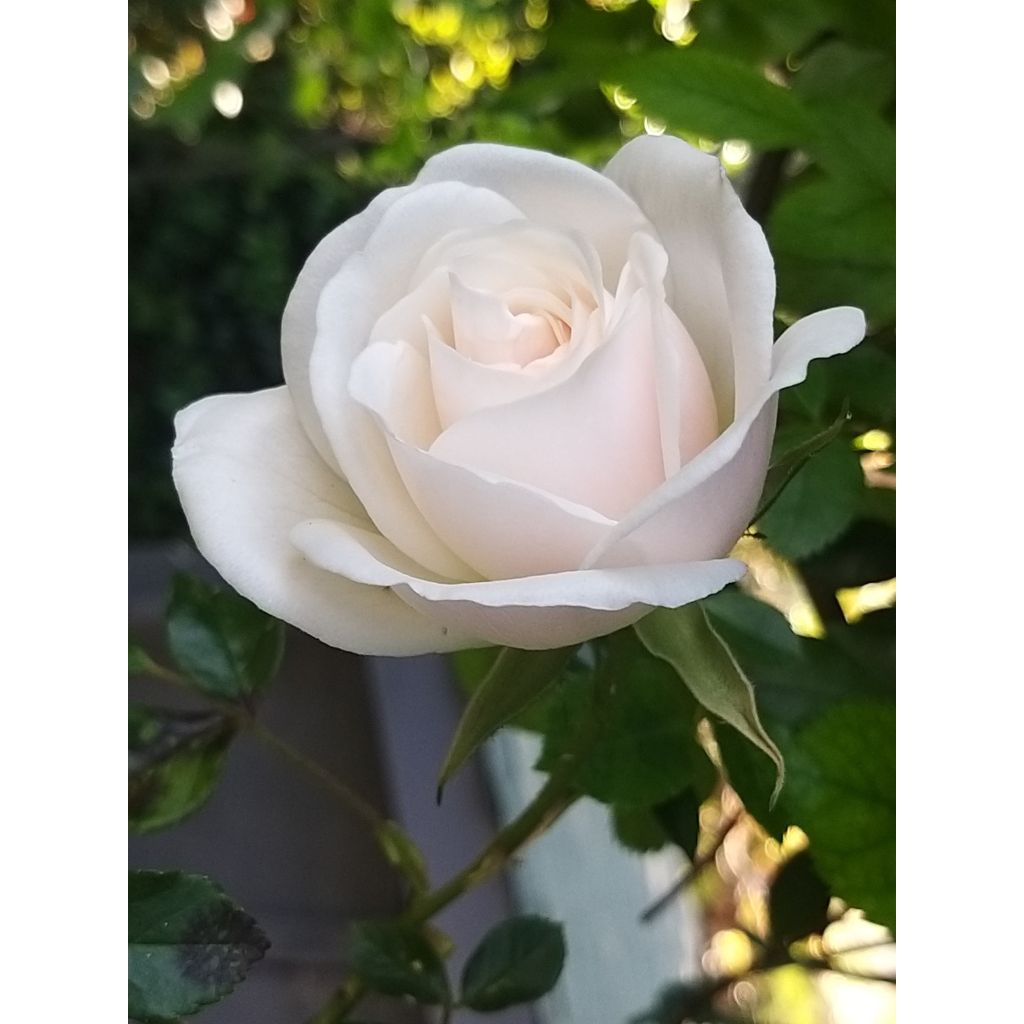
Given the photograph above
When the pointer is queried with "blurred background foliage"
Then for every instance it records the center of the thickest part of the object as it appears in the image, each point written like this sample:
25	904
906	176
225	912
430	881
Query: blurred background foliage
256	126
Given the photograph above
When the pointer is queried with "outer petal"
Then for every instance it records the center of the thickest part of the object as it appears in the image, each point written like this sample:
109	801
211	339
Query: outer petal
532	612
550	190
703	509
502	528
349	306
721	275
246	474
298	325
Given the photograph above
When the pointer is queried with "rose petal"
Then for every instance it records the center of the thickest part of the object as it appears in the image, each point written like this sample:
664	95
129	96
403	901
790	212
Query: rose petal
722	278
298	324
462	387
350	304
502	528
531	613
393	380
687	414
246	474
702	510
594	439
550	190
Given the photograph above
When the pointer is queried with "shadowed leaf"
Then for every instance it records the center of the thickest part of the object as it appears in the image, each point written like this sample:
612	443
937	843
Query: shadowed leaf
225	643
398	960
174	761
513	683
841	792
518	961
188	944
783	469
798	902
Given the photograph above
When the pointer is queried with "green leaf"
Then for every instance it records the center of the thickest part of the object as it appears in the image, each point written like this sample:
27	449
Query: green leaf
680	819
785	467
404	854
514	682
225	643
471	669
797	678
687	641
853	141
139	662
398	960
836	68
518	961
643	748
798	901
175	759
818	505
713	95
188	944
842	793
865	377
637	829
834	243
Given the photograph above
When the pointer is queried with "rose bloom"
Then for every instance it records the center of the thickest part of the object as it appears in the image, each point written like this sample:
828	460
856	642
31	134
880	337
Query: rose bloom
525	403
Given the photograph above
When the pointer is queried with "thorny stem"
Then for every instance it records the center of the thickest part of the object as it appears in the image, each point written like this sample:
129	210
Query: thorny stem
556	796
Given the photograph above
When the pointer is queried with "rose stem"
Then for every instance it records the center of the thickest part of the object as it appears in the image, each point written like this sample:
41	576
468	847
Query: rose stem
556	796
245	718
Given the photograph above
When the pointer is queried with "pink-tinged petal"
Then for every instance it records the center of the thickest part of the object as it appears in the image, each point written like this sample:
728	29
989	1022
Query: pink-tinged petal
687	414
463	387
246	474
594	439
704	509
551	191
500	527
722	278
533	612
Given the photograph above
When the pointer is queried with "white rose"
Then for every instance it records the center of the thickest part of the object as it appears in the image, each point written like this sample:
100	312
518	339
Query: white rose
525	403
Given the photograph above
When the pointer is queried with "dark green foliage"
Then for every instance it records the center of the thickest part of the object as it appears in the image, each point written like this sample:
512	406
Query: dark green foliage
644	748
680	820
842	792
785	466
518	961
817	504
686	640
175	759
399	960
798	901
637	829
188	945
228	647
